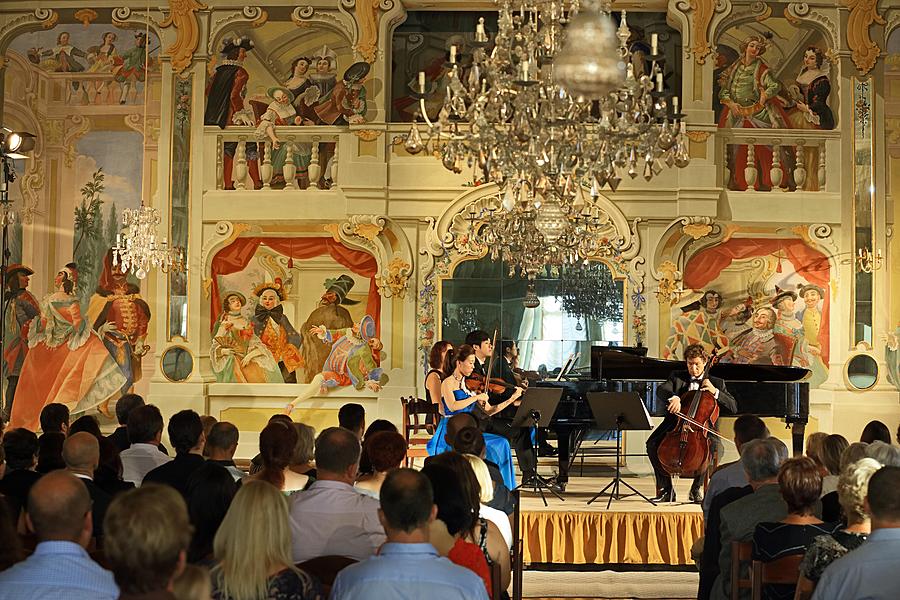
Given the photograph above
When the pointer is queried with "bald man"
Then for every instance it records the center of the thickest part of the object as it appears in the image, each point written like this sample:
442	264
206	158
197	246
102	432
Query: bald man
59	513
81	453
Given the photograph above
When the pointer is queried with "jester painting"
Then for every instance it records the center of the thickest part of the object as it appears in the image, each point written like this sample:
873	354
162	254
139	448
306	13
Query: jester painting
274	328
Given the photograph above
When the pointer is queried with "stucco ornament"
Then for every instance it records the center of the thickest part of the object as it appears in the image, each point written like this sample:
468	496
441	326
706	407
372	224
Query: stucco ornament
182	16
864	51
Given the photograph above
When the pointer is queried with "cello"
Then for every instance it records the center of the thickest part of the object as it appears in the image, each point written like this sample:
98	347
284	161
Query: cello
684	451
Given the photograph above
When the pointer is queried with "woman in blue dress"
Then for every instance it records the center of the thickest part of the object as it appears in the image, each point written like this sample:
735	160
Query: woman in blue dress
456	398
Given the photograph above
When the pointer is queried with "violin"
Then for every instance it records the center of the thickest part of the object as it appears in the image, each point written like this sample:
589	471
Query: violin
476	383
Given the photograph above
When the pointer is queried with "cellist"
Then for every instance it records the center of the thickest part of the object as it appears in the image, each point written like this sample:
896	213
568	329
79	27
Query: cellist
678	384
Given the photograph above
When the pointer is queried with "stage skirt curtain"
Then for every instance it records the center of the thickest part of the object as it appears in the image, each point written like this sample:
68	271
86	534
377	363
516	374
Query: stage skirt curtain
238	254
809	263
661	538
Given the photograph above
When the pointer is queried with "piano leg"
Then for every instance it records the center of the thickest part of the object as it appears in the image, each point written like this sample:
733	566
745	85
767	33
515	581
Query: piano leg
798	432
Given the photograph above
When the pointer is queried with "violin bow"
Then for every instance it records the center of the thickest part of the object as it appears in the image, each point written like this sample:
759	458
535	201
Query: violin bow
487	373
699	425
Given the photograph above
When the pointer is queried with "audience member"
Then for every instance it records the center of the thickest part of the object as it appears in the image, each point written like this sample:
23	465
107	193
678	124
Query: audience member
852	488
331	518
875	431
86	423
304	452
49	457
884	453
147	536
871	571
221	444
207	421
833	448
800	484
365	465
192	584
408	567
108	475
145	425
485	485
353	417
20	447
55	418
59	514
814	446
469	440
81	455
436	375
855	451
762	460
11	550
124	406
210	490
277	442
386	450
256	461
746	428
186	434
253	549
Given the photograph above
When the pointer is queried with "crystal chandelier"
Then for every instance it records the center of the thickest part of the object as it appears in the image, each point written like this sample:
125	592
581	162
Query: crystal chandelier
136	247
589	292
548	111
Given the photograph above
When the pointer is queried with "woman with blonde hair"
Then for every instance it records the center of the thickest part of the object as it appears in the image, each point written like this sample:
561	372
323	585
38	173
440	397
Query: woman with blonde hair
497	517
253	550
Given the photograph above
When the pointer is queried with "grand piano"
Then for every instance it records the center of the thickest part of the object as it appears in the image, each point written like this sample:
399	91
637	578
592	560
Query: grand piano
762	390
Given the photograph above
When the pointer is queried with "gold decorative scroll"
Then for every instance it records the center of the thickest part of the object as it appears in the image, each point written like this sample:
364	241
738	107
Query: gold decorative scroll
367	21
700	19
86	16
698	136
367	135
864	51
181	15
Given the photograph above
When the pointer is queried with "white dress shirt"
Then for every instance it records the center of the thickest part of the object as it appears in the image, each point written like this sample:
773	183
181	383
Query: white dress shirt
332	518
140	459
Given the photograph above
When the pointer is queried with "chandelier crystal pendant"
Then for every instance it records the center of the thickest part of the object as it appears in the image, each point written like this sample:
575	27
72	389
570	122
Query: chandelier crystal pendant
590	292
552	108
137	249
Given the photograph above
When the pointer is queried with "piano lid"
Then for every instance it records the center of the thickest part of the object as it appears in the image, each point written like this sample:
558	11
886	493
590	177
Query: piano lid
613	363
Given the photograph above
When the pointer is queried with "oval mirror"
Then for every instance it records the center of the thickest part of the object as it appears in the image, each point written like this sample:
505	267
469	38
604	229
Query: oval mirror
177	363
862	371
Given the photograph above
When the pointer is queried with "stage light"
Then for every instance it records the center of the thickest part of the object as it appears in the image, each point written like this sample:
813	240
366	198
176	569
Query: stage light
17	143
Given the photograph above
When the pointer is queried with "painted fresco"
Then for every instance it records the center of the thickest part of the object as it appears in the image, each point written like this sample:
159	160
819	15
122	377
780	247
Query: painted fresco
892	172
81	89
279	75
756	301
773	74
296	310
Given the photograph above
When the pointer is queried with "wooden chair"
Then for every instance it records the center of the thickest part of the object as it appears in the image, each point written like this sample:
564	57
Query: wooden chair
783	571
517	561
418	426
741	553
326	569
805	588
496	576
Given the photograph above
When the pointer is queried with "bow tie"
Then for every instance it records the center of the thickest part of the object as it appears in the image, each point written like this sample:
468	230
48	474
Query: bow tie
267	313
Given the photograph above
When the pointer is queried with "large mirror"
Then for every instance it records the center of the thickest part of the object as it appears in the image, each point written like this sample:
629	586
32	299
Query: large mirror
863	208
551	320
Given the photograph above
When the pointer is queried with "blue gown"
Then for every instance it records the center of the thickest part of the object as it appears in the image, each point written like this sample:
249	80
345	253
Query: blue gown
497	448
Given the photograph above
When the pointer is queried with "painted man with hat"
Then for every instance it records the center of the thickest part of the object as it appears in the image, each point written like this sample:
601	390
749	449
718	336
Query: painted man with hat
759	345
354	357
330	314
811	319
347	104
21	308
281	112
275	330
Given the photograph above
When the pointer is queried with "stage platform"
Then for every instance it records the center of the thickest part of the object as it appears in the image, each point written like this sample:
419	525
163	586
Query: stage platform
630	532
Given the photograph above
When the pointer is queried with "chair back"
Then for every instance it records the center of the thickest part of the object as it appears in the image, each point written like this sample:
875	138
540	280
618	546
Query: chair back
326	569
805	588
496	577
418	426
782	571
741	552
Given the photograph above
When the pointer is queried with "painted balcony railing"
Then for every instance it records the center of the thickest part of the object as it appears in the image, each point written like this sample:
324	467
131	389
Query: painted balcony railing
778	159
303	157
86	88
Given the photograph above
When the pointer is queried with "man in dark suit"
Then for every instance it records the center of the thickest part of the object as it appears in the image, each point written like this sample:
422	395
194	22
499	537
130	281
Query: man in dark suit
81	453
678	385
501	423
20	446
186	434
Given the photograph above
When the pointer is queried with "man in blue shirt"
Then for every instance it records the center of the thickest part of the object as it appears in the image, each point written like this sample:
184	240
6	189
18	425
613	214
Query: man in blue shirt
408	566
59	513
872	571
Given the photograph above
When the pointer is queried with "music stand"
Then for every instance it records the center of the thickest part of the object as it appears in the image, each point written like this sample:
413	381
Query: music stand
536	410
620	411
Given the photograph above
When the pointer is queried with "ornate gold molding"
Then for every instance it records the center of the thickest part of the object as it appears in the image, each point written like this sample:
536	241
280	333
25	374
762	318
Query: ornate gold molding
394	279
367	135
86	16
703	11
669	290
696	231
182	17
698	136
864	51
367	22
334	229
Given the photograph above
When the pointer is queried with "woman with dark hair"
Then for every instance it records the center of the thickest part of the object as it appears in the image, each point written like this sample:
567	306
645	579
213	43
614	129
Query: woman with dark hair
385	451
456	398
435	374
800	483
108	475
876	431
378	425
62	342
210	490
50	447
277	442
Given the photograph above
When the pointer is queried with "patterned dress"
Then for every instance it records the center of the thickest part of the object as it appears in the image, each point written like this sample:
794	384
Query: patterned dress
287	585
238	356
825	549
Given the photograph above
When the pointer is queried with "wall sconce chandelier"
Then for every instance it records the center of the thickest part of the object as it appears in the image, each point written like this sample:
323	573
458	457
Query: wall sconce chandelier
868	261
137	248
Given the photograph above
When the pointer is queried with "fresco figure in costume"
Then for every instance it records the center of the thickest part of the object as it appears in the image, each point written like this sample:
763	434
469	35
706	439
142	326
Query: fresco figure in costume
117	309
274	329
330	314
811	319
22	307
701	322
347	105
131	68
810	92
62	58
760	345
237	355
281	111
354	357
749	95
323	79
67	361
299	80
104	58
225	102
789	326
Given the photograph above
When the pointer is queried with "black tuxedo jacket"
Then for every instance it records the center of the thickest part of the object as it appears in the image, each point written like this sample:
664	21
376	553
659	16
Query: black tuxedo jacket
679	381
509	411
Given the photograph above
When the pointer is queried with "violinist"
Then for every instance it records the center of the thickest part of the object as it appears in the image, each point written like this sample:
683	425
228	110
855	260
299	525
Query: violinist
510	351
678	384
435	374
457	398
500	422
